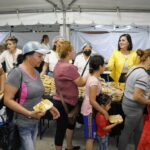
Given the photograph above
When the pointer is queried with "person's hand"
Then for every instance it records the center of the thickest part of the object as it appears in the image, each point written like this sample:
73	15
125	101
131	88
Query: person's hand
55	113
106	115
102	80
42	73
116	123
36	114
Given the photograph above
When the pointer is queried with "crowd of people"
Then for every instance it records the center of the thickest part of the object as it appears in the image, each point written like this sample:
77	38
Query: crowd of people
21	72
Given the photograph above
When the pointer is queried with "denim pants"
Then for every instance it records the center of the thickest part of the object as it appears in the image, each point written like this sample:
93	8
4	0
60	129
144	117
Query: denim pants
103	142
28	136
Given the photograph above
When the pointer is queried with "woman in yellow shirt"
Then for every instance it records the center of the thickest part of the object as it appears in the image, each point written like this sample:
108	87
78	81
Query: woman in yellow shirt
122	59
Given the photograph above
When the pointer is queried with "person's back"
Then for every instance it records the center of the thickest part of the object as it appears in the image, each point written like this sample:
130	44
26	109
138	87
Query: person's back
138	78
65	74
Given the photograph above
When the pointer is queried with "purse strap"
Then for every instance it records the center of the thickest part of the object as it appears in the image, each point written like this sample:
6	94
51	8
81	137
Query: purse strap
130	74
63	103
85	67
133	71
62	99
18	94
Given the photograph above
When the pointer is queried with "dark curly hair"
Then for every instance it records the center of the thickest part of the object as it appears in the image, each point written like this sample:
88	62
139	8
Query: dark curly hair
103	99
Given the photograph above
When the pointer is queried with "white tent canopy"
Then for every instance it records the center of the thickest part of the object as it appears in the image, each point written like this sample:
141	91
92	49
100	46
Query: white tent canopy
120	12
114	17
124	18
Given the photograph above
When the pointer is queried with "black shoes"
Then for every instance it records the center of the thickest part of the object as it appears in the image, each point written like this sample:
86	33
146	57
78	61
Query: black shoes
74	148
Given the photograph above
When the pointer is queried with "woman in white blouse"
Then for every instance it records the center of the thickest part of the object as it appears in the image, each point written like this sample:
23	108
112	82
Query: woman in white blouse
10	55
82	59
52	58
45	42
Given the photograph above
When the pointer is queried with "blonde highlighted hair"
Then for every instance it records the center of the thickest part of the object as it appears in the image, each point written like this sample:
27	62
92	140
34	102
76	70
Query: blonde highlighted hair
13	39
63	48
143	54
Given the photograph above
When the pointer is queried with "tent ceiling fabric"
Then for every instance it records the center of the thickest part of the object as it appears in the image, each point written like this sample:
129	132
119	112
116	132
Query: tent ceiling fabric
13	5
120	12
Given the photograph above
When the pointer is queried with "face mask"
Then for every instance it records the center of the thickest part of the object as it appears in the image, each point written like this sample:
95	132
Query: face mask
87	53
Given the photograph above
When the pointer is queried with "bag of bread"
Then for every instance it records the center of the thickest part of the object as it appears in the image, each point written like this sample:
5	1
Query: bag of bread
115	118
43	106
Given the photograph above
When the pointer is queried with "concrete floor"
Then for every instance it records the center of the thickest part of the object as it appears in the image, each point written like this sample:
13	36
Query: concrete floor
47	141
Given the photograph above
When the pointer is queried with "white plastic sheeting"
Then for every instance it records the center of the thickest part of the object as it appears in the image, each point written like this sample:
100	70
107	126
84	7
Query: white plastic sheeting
3	35
122	18
28	19
25	37
104	44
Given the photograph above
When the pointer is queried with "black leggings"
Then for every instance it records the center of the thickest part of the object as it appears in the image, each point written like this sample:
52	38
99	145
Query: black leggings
62	124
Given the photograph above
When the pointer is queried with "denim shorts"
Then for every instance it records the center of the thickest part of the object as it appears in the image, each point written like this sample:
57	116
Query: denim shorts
28	136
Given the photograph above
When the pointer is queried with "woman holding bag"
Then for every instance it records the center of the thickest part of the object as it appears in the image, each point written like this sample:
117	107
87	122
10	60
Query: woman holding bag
27	80
67	80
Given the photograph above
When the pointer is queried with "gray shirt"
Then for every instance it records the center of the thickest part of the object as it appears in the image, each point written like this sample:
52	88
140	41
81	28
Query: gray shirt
138	78
31	93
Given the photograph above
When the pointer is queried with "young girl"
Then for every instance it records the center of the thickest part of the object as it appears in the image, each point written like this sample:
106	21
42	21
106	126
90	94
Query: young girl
102	125
93	88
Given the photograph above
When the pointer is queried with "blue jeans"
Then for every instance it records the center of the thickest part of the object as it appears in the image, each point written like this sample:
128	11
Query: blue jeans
103	142
28	136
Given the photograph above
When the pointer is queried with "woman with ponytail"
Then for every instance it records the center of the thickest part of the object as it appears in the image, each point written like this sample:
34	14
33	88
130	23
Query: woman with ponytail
135	99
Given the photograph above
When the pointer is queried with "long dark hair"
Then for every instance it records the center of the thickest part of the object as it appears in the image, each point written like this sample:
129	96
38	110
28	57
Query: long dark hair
95	62
44	37
128	39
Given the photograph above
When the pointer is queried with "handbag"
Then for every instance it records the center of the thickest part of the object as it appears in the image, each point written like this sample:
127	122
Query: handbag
72	114
10	139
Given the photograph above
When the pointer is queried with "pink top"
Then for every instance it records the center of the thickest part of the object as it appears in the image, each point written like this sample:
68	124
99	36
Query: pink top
86	108
65	74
